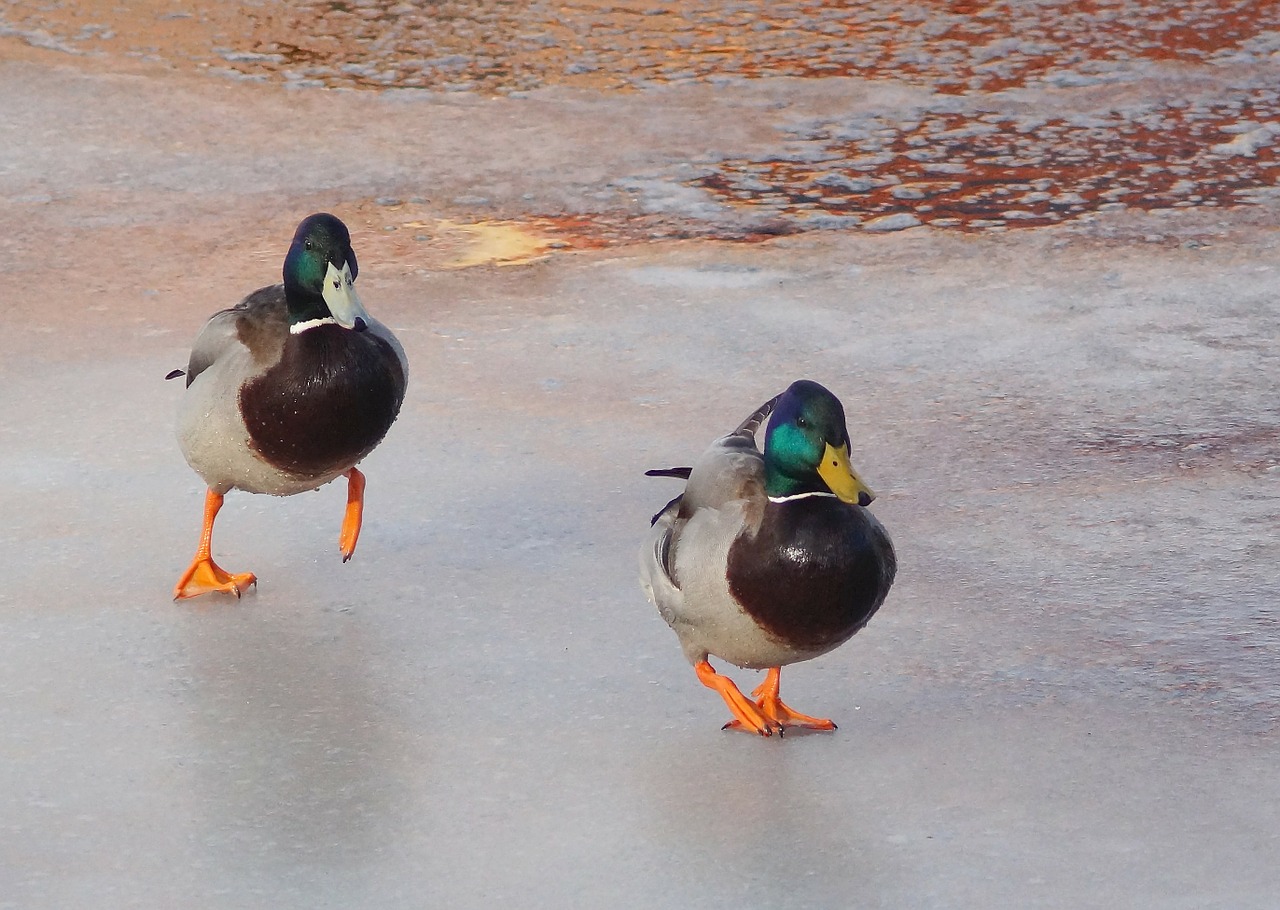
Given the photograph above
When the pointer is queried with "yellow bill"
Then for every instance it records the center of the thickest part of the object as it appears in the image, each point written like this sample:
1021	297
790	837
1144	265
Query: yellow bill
838	474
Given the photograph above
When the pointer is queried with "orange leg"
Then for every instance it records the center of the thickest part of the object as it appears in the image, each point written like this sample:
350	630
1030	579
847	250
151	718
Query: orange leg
353	516
771	706
204	575
746	713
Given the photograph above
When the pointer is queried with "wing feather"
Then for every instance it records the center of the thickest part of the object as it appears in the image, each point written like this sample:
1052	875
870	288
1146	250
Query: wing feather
222	333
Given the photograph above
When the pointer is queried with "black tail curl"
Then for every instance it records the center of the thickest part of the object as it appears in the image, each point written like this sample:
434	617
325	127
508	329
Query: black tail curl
682	473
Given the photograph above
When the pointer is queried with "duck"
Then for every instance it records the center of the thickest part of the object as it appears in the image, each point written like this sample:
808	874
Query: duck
768	558
288	390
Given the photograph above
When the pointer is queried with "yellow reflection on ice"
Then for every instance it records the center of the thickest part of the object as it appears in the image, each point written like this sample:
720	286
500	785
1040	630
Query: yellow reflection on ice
490	243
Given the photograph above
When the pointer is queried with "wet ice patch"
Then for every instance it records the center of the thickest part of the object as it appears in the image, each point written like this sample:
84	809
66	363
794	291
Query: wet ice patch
663	197
701	278
1249	141
887	223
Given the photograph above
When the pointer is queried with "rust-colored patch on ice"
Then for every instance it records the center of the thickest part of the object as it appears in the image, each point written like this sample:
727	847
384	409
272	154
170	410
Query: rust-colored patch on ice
995	171
953	46
983	170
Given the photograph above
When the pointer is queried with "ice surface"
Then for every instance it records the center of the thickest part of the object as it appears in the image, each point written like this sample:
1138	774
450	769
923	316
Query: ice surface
1071	698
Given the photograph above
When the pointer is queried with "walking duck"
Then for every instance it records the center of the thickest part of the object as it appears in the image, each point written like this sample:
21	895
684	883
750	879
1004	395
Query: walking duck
288	390
769	558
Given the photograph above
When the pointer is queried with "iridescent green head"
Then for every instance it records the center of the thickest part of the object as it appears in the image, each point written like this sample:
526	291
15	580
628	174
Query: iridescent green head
806	448
319	276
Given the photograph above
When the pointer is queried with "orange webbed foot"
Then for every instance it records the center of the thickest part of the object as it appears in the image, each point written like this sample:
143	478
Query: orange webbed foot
204	576
353	516
772	707
776	710
747	714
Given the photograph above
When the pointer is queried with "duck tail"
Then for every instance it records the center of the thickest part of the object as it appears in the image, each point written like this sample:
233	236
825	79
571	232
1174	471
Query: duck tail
174	374
749	426
682	473
665	509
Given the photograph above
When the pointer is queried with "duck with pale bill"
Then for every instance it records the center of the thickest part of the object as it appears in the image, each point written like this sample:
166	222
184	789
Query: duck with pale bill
288	390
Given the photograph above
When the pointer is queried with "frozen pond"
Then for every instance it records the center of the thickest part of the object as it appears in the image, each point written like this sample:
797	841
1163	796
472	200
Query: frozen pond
1071	698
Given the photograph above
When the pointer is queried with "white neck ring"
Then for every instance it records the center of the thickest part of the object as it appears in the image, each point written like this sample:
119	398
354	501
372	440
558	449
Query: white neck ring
299	327
801	496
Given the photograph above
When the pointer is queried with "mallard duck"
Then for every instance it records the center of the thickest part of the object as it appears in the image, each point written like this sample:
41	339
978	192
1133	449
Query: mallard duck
288	390
769	558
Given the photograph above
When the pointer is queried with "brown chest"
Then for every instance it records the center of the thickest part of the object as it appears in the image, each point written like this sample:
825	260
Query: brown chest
814	574
326	403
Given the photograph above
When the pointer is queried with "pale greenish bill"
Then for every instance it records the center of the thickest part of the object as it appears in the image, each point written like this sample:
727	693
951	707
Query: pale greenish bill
341	297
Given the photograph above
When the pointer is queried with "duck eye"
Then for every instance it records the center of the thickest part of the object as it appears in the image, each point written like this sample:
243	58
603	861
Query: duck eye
308	244
802	423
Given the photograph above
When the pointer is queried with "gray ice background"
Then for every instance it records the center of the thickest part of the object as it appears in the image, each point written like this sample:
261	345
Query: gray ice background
1070	700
